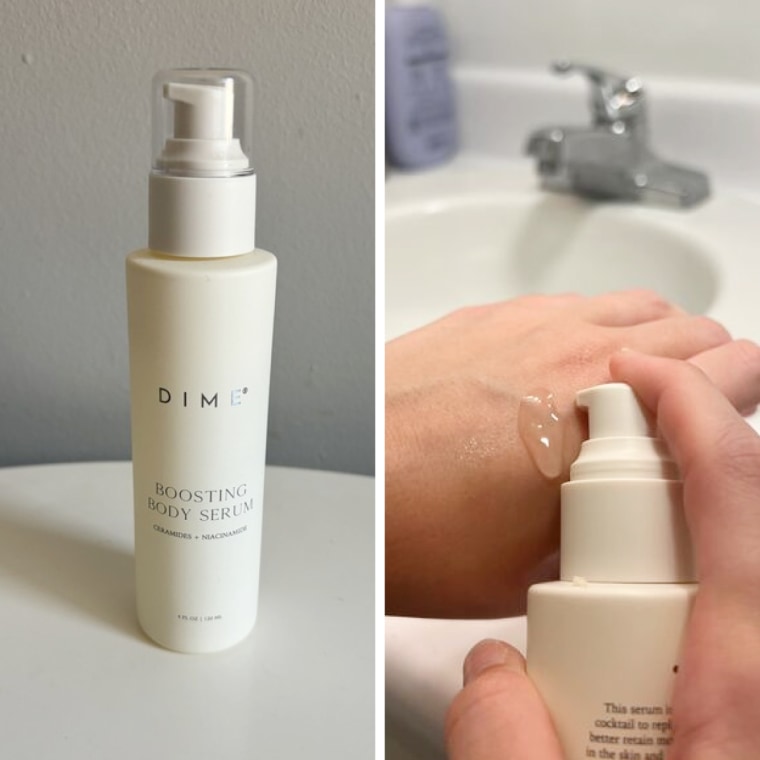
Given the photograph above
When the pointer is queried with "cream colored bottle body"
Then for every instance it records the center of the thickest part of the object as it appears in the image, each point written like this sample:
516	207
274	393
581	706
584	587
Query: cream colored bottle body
604	657
604	642
200	345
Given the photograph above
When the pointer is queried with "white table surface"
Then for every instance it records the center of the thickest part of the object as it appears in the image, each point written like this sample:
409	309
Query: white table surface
78	679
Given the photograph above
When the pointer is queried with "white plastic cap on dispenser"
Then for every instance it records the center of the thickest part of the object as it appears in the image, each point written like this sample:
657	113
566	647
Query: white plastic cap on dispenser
202	186
622	513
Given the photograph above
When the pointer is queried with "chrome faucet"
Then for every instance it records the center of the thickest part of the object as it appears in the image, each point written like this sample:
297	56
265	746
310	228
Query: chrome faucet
611	158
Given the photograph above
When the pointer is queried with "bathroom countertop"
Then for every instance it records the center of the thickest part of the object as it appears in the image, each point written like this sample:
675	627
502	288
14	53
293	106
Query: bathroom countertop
80	680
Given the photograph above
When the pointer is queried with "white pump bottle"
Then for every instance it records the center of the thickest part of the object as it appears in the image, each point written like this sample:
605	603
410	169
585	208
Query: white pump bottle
604	641
201	308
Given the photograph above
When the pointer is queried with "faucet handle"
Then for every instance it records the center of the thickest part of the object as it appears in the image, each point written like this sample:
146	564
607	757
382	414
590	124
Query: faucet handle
614	99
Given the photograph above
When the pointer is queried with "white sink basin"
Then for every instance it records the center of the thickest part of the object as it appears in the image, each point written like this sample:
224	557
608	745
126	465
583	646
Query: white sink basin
458	237
462	236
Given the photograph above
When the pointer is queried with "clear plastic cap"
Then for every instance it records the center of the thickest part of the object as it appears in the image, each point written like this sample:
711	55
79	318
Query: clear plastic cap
202	122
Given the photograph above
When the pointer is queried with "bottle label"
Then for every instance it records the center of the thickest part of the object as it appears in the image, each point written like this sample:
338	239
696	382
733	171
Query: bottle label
202	399
196	507
630	732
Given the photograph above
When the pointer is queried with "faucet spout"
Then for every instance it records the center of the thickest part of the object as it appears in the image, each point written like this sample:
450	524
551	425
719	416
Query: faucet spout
611	158
671	185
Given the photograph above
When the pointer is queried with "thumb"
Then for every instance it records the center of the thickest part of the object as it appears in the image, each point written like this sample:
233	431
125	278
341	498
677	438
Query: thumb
499	713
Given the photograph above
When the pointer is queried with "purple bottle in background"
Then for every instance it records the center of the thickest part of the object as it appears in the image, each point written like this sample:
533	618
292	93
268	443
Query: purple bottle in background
420	115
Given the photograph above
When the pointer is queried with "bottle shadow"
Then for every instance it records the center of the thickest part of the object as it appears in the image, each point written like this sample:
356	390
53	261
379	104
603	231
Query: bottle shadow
86	575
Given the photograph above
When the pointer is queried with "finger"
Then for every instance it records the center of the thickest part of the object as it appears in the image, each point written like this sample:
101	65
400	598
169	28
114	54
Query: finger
499	713
629	307
719	457
677	337
734	368
690	410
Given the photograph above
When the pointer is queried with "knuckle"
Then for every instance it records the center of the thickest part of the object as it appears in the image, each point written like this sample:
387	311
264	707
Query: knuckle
748	358
737	453
529	301
652	298
468	313
711	329
653	302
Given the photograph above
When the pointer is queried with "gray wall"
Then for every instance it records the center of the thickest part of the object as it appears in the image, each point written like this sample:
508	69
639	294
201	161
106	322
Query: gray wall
705	39
74	159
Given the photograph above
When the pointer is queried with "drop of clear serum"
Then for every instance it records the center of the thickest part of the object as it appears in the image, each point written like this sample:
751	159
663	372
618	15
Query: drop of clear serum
541	431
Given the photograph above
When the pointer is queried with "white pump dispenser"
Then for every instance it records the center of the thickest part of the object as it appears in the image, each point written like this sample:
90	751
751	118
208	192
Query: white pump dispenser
622	516
202	187
203	143
201	309
604	640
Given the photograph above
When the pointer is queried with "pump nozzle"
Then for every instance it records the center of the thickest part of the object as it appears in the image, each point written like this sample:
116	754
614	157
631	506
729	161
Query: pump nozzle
622	440
614	411
201	111
199	131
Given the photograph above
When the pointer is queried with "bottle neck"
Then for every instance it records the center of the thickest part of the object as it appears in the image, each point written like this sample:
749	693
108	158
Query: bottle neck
625	531
202	217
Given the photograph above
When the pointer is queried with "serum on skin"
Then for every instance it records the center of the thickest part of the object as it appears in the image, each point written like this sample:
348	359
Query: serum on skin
200	310
604	641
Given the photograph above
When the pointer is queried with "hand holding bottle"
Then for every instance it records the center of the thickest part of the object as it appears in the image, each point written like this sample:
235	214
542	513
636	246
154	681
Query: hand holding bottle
458	477
716	701
717	689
